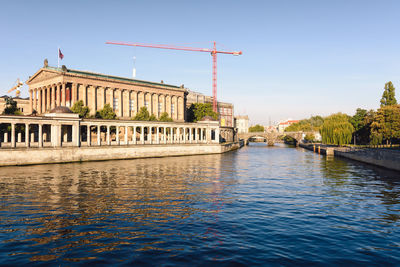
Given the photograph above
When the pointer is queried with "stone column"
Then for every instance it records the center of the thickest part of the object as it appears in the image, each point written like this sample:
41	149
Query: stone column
53	96
165	135
84	94
101	100
88	136
48	98
125	103
74	93
40	101
150	101
150	134
120	103
58	95
75	134
190	135
40	137
155	105
27	134
63	94
31	99
126	135
98	136
12	134
117	134
216	135
142	135
108	135
158	137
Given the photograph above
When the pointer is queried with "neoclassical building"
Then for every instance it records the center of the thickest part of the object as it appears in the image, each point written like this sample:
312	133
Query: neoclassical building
50	87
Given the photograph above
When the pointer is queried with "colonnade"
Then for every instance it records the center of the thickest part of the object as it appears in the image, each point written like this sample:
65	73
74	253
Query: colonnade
125	102
25	131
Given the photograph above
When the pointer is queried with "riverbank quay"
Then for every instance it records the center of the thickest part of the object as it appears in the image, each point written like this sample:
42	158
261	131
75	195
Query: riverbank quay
382	157
24	156
61	136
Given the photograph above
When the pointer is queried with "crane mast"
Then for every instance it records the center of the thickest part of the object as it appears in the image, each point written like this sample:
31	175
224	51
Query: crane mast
212	51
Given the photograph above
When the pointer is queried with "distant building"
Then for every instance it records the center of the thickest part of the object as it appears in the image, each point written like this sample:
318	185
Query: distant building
225	110
242	124
22	104
283	125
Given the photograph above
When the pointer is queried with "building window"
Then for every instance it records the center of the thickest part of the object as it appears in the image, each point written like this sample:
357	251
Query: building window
159	107
131	104
173	108
115	103
146	104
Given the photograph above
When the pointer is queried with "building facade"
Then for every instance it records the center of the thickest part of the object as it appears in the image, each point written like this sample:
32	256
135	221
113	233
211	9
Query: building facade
22	104
242	124
283	125
50	87
225	110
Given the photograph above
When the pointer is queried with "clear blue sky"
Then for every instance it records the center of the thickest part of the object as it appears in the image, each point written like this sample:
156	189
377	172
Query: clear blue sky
300	58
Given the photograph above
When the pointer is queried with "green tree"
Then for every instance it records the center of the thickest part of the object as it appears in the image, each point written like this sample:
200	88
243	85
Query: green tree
337	130
197	111
309	137
165	117
362	126
81	109
388	96
142	115
386	125
11	107
256	128
106	113
312	124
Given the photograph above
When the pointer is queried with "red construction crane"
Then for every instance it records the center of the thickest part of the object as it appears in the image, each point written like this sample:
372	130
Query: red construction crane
213	52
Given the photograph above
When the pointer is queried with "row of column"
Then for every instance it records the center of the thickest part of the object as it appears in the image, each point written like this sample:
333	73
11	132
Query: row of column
28	138
162	135
155	134
126	103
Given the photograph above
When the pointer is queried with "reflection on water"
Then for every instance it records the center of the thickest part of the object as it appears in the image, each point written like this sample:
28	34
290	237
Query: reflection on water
259	204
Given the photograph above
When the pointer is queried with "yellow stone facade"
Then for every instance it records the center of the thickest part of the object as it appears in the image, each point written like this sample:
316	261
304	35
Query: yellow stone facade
51	87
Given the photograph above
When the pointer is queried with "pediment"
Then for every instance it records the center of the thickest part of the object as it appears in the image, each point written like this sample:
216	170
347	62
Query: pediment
42	75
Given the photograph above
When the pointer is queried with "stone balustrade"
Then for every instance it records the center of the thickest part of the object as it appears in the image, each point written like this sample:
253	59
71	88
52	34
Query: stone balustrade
65	130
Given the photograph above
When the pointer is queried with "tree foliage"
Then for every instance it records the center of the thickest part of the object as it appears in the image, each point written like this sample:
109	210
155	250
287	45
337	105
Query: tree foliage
106	113
337	130
256	128
307	125
197	111
386	125
361	122
388	96
142	115
11	107
165	117
81	109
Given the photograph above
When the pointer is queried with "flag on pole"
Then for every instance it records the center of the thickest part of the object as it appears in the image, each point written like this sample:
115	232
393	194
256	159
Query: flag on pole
60	55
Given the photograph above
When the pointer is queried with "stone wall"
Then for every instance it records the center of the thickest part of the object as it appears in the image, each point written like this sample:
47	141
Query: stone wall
26	156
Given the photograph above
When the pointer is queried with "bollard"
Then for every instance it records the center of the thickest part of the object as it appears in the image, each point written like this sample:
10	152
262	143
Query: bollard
319	149
314	147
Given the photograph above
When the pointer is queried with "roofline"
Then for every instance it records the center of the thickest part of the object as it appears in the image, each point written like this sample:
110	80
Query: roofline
101	75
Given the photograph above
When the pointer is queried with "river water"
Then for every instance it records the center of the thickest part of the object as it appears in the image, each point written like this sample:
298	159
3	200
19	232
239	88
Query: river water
256	206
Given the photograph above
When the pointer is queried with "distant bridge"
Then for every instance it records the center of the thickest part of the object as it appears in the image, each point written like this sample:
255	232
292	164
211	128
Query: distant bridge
272	137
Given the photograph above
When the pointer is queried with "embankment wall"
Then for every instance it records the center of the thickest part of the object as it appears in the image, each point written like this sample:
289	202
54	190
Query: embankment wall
30	156
387	158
